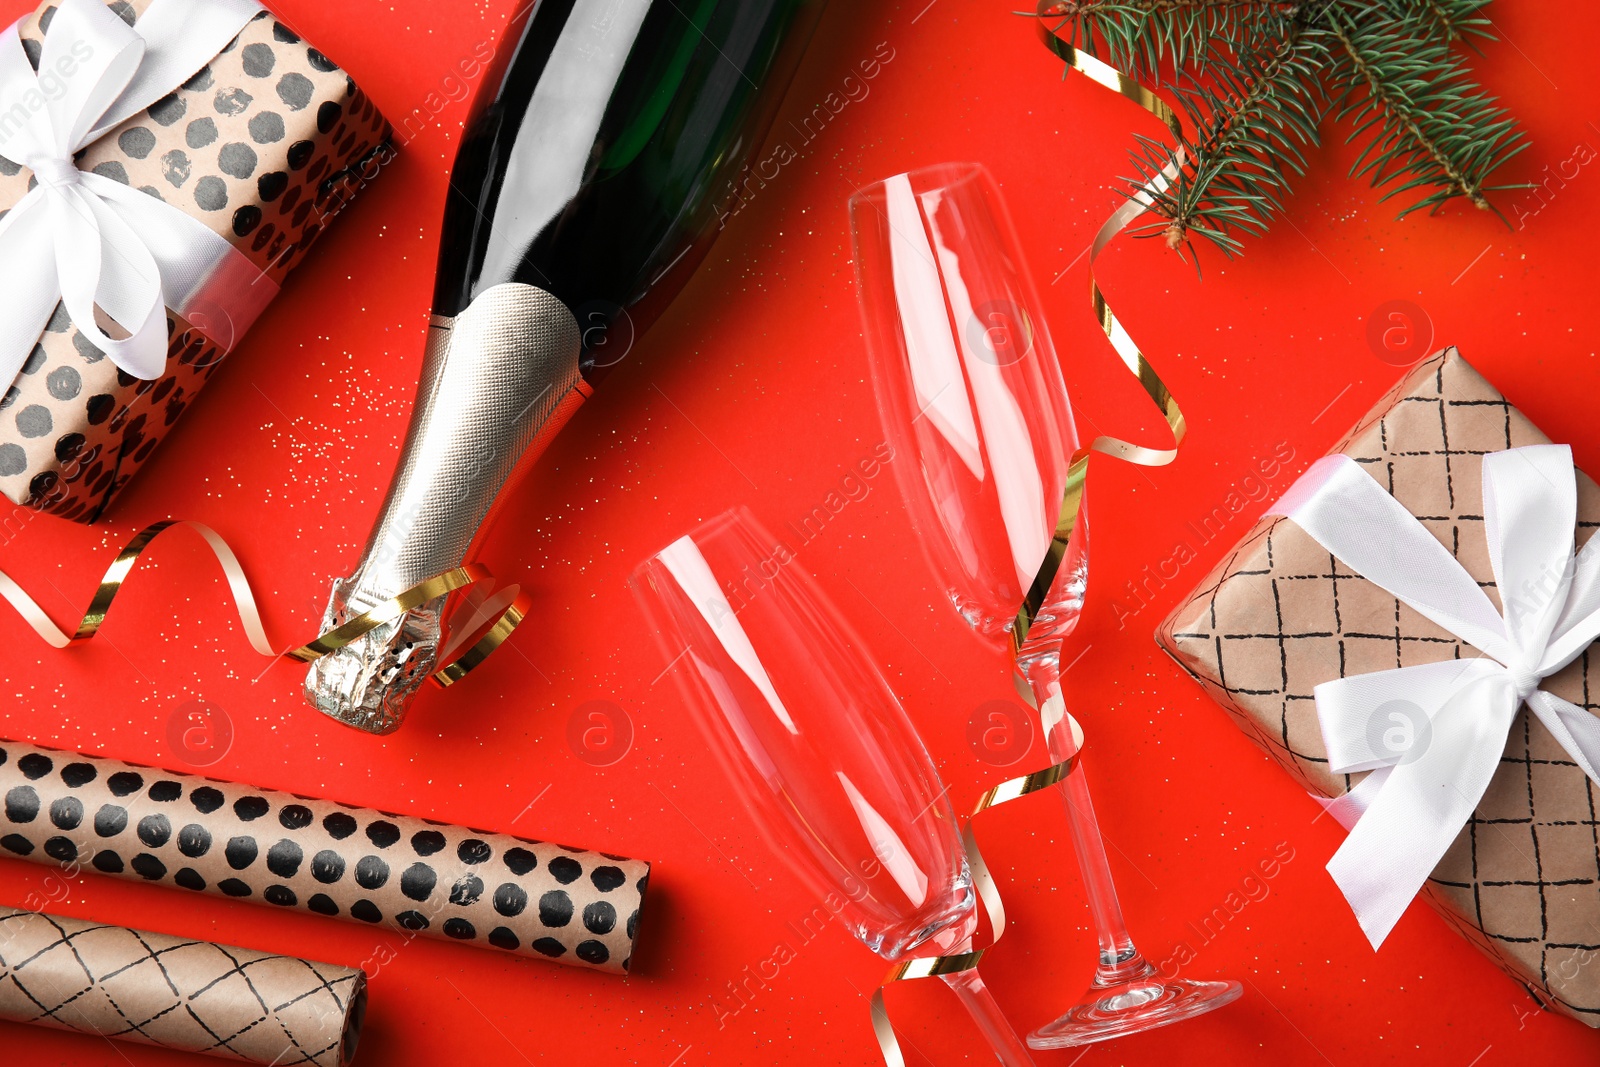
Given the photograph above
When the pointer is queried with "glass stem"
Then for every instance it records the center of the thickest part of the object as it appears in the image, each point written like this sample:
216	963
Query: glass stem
1120	961
977	999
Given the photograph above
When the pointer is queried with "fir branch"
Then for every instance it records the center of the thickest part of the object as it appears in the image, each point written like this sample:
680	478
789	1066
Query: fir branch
1258	77
1432	126
1137	35
1451	20
1250	125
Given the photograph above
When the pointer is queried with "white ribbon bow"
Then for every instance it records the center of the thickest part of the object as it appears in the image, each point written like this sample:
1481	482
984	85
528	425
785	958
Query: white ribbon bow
1432	735
84	239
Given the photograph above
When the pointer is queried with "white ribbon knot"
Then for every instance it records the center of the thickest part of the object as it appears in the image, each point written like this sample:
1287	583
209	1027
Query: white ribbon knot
54	173
1432	735
1524	682
86	240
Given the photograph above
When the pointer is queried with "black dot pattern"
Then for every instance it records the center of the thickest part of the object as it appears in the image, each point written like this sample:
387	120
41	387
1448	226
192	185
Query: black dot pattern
510	899
75	775
295	817
241	852
35	765
284	858
472	886
418	881
66	812
327	866
194	841
22	804
264	145
565	869
372	873
339	825
123	783
251	808
154	830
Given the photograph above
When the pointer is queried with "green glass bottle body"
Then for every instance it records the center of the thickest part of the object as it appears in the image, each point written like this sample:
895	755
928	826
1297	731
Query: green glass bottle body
603	152
599	162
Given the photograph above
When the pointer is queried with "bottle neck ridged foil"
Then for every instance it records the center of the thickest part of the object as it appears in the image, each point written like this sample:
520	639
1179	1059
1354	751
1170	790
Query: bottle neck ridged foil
495	380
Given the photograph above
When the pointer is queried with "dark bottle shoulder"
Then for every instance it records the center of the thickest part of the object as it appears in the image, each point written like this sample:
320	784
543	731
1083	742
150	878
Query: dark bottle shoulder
597	187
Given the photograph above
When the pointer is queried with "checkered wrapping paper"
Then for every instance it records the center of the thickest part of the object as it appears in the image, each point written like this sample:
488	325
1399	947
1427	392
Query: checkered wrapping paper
177	993
1279	615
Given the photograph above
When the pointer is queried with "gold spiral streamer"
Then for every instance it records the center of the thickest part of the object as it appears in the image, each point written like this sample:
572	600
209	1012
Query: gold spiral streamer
244	601
1071	508
983	882
1078	469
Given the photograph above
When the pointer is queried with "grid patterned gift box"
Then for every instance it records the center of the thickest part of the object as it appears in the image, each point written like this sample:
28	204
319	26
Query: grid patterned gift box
1280	615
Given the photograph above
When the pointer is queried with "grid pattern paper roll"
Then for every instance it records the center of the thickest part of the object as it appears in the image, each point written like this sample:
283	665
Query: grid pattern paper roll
412	875
168	991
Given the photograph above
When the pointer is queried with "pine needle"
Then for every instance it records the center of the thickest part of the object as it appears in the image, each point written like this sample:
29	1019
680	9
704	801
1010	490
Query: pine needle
1257	79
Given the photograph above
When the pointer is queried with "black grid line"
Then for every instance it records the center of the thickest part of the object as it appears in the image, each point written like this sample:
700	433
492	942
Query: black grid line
1280	615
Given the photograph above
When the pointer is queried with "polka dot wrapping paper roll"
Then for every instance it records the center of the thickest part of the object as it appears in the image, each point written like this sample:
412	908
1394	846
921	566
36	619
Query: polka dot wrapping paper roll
177	993
423	878
265	144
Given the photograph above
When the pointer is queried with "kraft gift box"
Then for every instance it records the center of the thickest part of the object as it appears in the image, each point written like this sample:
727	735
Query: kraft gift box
264	145
1279	615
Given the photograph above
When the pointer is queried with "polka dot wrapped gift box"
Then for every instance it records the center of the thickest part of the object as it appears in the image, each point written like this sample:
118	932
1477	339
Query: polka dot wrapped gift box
423	878
263	145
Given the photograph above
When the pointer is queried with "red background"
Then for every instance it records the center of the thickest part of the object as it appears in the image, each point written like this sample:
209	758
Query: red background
753	389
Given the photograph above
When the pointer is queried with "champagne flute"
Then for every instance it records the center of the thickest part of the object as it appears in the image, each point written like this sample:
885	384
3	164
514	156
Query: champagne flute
971	397
818	748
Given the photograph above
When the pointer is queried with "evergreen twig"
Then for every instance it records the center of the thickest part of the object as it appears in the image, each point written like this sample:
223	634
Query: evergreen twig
1138	35
1251	124
1256	80
1432	128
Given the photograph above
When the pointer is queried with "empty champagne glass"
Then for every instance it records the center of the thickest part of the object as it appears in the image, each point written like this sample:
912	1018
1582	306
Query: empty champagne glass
973	403
818	748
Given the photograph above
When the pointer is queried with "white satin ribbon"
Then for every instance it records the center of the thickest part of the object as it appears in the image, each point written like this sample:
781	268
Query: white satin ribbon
1432	735
86	240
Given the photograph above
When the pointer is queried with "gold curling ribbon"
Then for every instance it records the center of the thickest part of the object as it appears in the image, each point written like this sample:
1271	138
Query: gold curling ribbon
983	882
1078	470
1071	509
250	615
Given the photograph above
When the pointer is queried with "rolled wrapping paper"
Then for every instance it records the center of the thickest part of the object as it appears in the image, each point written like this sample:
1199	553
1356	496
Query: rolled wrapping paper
177	993
413	875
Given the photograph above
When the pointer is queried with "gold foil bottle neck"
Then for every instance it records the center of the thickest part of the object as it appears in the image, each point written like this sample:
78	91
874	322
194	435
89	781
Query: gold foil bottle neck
495	381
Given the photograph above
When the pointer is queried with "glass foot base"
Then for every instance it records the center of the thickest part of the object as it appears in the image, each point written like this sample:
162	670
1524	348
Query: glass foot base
1130	1007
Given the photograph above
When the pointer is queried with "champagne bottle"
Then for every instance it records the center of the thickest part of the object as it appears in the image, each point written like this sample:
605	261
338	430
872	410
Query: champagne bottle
596	168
